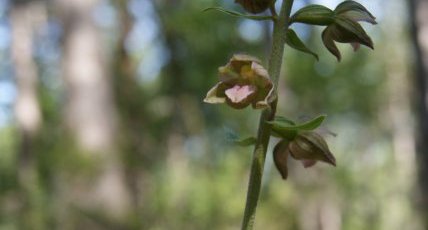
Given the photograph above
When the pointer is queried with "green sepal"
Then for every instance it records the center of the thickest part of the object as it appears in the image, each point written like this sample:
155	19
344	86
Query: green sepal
294	42
352	32
239	15
355	11
314	15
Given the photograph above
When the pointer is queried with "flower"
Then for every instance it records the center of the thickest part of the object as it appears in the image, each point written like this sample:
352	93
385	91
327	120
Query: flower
346	29
243	81
308	147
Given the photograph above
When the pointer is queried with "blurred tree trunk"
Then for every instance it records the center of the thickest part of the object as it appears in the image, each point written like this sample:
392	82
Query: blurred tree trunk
25	18
131	105
419	28
90	114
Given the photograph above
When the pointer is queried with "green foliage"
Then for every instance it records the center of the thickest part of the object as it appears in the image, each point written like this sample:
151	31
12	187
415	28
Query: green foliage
293	40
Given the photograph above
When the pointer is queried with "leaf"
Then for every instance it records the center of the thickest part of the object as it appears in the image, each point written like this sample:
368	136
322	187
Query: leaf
284	119
232	137
314	15
246	141
279	125
294	42
239	15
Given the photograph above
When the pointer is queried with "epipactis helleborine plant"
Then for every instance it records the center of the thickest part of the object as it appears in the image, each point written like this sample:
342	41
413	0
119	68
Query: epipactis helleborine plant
244	81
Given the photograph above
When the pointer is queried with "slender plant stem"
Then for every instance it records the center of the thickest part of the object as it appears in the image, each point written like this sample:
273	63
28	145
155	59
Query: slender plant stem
263	136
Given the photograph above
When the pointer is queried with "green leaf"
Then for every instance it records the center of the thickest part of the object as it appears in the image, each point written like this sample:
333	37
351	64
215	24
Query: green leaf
239	15
285	134
232	137
246	141
285	120
314	15
294	42
280	126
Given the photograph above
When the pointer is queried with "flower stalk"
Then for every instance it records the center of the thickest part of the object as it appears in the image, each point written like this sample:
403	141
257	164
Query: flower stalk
264	131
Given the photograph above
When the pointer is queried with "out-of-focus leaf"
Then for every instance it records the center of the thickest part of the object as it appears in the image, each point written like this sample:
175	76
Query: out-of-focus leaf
294	42
237	14
246	141
314	15
233	138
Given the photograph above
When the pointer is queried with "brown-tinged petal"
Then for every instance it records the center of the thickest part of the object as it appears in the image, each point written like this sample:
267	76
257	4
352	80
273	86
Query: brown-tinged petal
355	11
319	147
311	146
212	97
264	102
280	155
327	39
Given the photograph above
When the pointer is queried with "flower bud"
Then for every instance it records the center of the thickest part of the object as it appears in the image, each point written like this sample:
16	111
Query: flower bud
308	147
311	146
255	6
345	31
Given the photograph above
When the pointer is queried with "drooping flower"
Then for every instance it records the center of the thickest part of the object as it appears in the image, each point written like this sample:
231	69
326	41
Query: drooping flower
346	28
342	24
243	81
308	147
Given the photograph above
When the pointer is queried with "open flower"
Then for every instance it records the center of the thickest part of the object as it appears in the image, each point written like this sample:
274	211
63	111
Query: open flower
308	147
243	81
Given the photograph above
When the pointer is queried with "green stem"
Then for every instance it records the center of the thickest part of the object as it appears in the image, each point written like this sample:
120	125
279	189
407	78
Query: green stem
263	136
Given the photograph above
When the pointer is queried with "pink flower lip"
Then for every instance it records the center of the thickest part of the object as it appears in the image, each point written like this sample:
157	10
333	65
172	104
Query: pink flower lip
238	93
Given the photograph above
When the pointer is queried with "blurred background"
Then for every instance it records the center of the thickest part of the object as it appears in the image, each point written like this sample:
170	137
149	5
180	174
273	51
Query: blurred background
102	124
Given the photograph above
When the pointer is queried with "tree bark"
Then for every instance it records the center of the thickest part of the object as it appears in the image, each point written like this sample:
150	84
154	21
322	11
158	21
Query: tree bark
419	27
25	18
90	112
